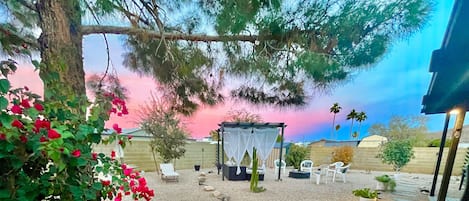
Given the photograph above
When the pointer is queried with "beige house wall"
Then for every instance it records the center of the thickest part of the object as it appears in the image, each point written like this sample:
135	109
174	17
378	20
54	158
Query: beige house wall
365	159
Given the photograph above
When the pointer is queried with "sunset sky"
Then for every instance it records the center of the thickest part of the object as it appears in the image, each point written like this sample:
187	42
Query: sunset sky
394	86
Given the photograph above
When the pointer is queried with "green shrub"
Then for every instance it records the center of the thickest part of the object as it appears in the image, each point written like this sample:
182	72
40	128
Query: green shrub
397	153
437	142
295	155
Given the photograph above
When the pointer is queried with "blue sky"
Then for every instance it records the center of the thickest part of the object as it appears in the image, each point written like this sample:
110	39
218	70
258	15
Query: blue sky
396	85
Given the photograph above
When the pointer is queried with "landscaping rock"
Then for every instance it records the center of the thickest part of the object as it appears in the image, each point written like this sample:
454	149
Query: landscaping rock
209	188
216	194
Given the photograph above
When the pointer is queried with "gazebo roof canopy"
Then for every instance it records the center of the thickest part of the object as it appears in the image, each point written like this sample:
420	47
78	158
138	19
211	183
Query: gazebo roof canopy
250	125
449	87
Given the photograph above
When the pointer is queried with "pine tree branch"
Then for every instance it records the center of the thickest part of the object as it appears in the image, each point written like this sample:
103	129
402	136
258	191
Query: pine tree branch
28	5
93	29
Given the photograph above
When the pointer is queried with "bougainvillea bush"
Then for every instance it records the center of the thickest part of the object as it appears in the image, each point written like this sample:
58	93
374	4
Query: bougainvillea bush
46	147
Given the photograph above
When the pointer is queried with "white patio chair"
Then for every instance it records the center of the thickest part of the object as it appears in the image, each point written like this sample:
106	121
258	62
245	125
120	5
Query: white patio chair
342	171
332	169
281	165
318	172
168	173
306	166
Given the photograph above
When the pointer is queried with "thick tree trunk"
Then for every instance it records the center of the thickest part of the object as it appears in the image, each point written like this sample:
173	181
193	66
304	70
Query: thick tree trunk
61	48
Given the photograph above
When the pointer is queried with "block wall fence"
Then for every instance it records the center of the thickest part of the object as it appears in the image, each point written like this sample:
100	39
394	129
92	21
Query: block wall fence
203	153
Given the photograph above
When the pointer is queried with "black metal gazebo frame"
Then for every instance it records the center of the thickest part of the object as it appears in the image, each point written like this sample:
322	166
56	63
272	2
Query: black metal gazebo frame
224	125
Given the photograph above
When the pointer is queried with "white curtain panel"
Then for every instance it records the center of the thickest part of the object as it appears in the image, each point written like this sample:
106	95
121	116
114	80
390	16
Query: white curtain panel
243	143
264	141
250	144
229	143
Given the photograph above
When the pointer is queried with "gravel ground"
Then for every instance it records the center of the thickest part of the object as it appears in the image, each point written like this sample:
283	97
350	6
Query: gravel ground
188	189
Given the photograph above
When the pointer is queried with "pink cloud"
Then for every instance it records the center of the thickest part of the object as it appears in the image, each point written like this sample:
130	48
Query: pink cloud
207	118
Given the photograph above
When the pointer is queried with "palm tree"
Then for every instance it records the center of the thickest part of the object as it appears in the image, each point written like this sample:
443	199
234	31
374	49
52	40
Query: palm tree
334	109
352	115
361	117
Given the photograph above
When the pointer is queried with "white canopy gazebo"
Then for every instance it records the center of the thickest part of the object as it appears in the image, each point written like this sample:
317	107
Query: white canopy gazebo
240	137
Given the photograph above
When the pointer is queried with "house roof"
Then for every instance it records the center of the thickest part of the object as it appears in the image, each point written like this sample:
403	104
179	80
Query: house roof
336	143
449	86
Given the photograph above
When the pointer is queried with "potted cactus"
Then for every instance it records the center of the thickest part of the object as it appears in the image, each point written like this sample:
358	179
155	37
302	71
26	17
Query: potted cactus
385	182
366	194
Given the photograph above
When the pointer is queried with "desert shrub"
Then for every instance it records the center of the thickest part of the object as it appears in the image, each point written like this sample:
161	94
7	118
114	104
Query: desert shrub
437	142
295	155
344	154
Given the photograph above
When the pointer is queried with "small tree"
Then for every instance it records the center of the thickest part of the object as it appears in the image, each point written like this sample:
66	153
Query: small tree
397	153
295	155
169	136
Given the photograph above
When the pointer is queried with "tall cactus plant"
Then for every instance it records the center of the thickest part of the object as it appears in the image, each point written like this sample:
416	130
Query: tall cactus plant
255	175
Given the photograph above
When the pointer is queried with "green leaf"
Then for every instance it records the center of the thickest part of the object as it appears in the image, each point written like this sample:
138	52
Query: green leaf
3	103
4	86
90	194
76	191
6	120
66	134
81	162
97	186
4	193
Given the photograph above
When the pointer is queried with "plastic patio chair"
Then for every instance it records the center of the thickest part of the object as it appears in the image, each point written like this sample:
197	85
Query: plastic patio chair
306	166
342	171
332	169
277	165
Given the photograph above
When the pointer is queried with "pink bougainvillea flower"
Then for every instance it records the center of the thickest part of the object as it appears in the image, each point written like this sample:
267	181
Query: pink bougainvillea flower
121	142
118	197
17	123
127	171
43	139
119	114
52	134
23	139
76	153
94	156
113	110
142	181
113	154
38	124
26	88
116	128
16	109
106	182
124	110
25	103
130	137
3	136
38	107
